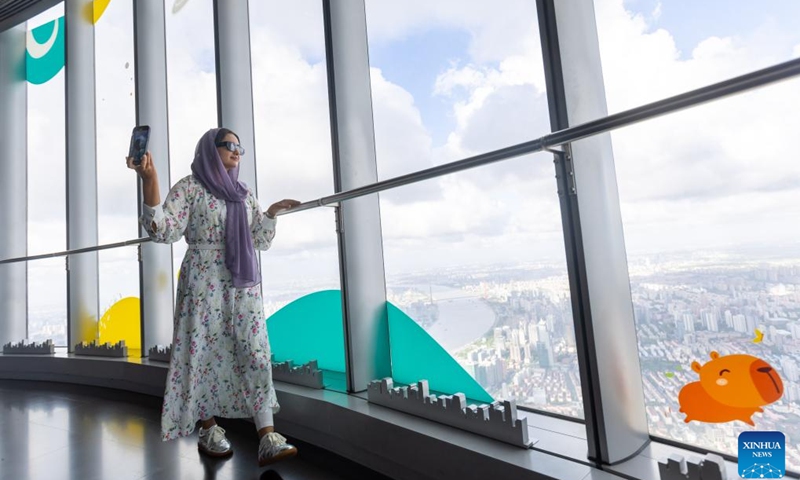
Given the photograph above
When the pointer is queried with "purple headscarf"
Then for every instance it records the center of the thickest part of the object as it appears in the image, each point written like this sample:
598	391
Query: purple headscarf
240	256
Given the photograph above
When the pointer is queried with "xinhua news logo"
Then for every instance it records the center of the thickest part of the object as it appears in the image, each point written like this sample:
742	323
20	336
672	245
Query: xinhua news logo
762	455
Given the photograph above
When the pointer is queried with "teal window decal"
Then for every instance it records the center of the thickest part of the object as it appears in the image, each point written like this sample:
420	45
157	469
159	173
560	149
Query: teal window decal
310	328
44	56
417	356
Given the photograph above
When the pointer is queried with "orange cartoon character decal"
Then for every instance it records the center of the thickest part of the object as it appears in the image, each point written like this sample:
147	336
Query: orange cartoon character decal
731	387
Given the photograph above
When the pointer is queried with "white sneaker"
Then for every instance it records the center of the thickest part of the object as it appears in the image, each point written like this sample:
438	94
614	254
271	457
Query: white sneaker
213	442
273	447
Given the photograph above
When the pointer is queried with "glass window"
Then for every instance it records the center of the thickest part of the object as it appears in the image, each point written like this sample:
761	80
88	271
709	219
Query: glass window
116	117
120	317
293	156
290	100
47	301
118	269
708	199
479	264
453	79
192	89
652	49
47	226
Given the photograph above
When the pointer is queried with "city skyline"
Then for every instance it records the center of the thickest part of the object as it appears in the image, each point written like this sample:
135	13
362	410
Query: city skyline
685	306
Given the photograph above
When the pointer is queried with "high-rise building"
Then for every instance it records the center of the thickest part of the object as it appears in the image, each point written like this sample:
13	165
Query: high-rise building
545	351
729	319
527	354
542	333
533	335
688	322
710	321
499	339
740	323
752	323
515	354
521	330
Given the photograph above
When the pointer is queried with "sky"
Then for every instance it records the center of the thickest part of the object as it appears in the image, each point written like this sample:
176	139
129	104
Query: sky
451	79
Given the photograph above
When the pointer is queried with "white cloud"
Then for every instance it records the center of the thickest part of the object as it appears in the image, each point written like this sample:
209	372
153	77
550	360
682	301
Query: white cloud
707	175
497	29
297	24
403	144
115	117
46	152
191	82
707	167
293	140
641	65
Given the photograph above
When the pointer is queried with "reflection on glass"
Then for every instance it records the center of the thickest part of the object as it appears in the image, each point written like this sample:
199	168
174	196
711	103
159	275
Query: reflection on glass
452	80
120	317
713	253
477	260
47	301
116	117
651	50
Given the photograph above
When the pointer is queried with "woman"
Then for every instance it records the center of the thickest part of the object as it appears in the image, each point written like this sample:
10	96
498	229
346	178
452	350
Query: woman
220	361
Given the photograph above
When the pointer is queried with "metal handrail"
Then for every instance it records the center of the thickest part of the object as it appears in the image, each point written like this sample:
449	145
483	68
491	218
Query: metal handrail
75	251
758	78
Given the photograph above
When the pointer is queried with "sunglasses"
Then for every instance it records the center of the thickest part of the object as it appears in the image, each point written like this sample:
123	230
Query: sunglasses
232	147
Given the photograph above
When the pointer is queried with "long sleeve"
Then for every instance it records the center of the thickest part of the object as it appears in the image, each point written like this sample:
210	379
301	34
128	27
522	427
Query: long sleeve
261	226
167	223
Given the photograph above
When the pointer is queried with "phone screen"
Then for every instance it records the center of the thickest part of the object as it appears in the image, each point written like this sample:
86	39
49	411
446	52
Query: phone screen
139	140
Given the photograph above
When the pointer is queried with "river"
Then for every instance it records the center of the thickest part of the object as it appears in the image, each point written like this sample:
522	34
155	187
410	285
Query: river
462	319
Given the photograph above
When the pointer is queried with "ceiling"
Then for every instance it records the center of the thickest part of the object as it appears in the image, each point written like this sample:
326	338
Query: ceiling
14	12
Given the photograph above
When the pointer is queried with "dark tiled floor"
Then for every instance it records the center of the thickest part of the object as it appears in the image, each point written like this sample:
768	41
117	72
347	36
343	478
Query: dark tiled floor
59	431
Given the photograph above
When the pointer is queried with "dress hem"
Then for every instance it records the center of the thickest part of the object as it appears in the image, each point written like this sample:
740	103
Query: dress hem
186	432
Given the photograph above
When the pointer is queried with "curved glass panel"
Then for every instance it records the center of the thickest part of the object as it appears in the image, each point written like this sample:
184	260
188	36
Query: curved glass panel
47	209
477	260
47	225
708	197
116	117
293	160
47	301
191	87
120	317
302	301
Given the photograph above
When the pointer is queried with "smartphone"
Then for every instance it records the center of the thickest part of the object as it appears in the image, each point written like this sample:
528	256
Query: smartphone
139	141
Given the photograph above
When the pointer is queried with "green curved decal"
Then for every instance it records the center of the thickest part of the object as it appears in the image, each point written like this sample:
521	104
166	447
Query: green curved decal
44	56
310	328
416	356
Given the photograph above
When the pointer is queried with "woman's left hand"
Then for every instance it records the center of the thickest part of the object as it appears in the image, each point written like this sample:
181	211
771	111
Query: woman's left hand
280	206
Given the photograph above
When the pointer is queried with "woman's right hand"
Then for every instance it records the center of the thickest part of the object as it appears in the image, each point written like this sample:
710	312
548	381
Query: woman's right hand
146	169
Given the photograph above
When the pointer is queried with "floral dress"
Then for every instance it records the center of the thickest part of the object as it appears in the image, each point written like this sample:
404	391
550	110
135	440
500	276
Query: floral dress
220	363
